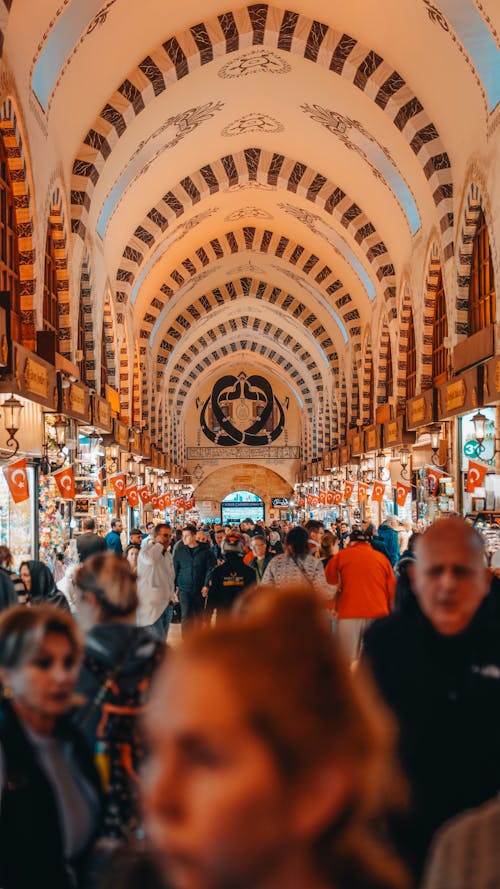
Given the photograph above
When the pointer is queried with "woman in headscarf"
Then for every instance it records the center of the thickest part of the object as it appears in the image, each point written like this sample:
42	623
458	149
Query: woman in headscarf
40	585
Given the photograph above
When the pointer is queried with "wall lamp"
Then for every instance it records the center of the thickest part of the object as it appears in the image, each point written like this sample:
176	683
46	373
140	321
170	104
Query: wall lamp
12	408
404	459
435	436
479	421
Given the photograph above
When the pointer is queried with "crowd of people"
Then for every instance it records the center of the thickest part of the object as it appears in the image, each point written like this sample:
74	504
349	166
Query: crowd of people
330	718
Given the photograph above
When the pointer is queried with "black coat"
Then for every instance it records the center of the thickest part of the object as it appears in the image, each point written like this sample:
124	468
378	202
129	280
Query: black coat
228	581
445	694
193	565
89	543
31	839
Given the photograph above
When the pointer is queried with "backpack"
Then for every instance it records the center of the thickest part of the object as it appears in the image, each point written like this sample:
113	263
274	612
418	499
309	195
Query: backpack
119	747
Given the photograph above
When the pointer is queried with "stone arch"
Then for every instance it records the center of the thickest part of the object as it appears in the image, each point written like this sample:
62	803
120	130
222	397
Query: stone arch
20	174
474	202
434	276
252	165
384	356
367	385
292	32
56	220
89	334
404	325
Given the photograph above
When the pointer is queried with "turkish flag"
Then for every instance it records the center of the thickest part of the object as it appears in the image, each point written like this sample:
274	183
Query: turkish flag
348	489
98	485
155	501
433	478
118	483
322	497
362	491
475	476
337	497
132	496
402	492
144	494
16	476
179	503
190	504
65	480
329	498
168	501
378	492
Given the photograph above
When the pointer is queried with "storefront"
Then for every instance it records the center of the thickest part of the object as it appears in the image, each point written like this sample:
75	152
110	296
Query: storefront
428	457
458	402
32	384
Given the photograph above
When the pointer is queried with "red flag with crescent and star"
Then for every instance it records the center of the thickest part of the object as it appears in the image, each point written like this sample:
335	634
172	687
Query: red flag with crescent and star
476	475
329	498
337	497
144	494
98	484
378	492
190	504
168	500
348	489
118	483
65	480
434	477
132	496
402	492
362	491
155	501
16	476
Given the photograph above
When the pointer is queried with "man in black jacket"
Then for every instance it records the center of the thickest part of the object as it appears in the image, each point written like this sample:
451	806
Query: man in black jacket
439	671
193	564
88	542
228	580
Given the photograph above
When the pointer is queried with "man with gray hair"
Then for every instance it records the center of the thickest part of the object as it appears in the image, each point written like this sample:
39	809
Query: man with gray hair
438	668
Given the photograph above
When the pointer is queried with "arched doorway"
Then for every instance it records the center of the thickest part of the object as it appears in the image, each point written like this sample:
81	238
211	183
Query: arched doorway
241	505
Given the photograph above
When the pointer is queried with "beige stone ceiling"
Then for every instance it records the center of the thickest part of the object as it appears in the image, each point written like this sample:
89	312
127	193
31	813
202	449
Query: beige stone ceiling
256	143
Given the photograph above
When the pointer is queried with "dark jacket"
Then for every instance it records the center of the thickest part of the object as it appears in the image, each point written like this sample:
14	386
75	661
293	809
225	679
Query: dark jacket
228	581
114	542
43	587
193	566
445	694
126	657
31	838
8	595
253	564
89	543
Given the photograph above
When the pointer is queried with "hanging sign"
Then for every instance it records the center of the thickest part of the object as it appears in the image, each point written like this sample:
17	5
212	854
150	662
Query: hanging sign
402	492
65	481
476	475
16	476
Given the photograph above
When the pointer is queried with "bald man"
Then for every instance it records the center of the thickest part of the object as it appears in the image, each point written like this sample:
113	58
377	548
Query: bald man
439	672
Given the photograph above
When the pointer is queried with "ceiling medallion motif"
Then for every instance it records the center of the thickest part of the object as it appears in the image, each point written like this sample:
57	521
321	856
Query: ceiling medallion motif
256	122
242	410
257	61
248	213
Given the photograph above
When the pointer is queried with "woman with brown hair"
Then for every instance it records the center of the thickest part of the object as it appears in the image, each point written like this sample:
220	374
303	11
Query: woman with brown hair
49	789
269	761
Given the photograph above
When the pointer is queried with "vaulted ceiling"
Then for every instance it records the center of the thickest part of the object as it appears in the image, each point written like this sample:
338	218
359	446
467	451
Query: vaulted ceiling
258	173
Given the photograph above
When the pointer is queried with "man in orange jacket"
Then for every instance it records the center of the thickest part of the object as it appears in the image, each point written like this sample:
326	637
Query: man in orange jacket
365	589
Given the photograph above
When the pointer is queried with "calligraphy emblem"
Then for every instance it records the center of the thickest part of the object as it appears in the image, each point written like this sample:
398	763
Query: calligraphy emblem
242	409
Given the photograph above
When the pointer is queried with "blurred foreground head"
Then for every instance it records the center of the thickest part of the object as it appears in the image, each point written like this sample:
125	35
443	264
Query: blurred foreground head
269	760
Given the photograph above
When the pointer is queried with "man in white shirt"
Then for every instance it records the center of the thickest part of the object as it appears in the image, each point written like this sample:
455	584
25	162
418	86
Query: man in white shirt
156	582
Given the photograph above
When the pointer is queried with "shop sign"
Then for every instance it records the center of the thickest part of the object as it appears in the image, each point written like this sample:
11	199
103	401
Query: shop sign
459	395
420	411
491	385
121	435
395	433
101	413
76	402
392	433
146	446
345	455
279	502
372	438
135	446
357	444
32	378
